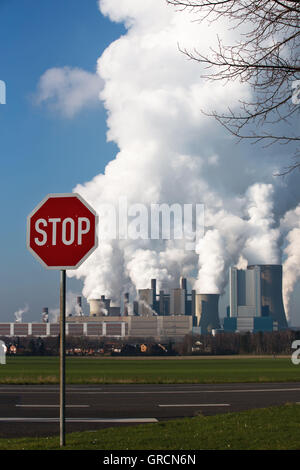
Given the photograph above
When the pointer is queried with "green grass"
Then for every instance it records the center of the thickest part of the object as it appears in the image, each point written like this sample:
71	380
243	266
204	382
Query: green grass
275	428
85	370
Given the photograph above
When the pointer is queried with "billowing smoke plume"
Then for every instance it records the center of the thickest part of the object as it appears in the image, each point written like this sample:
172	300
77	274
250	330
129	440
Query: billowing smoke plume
170	152
290	226
54	315
19	314
72	307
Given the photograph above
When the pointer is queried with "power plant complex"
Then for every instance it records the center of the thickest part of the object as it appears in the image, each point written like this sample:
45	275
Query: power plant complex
255	304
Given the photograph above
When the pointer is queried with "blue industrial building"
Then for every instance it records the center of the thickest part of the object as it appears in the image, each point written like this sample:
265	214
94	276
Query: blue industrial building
255	299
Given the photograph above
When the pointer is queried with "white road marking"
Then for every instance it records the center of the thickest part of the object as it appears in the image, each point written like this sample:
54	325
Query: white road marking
79	420
151	392
195	405
52	406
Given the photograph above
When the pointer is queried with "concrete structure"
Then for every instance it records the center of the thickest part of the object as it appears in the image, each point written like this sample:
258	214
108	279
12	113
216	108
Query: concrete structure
255	299
271	293
158	328
245	292
207	312
177	302
99	307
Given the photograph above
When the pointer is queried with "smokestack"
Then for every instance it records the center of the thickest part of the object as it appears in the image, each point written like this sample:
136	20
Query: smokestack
271	291
193	303
126	302
182	283
161	302
45	315
207	312
78	306
153	287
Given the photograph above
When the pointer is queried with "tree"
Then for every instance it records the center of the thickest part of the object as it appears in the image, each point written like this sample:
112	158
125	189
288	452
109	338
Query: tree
266	57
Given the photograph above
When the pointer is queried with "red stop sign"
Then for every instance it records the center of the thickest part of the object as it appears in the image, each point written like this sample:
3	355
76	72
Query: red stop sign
61	231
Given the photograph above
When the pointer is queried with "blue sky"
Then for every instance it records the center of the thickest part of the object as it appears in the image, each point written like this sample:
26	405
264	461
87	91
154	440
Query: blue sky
47	147
42	152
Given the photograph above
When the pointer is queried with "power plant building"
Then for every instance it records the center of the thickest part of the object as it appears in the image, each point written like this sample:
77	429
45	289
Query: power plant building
207	312
255	299
255	305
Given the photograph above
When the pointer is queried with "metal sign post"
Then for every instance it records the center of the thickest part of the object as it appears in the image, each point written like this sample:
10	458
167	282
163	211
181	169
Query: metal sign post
61	234
62	358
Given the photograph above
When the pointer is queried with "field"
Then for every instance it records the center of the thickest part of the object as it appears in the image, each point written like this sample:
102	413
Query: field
271	428
89	370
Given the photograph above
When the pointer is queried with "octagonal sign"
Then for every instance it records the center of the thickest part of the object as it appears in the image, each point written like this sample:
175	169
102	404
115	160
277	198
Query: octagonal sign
61	231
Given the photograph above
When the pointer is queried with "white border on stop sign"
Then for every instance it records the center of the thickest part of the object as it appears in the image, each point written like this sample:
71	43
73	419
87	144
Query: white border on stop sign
86	204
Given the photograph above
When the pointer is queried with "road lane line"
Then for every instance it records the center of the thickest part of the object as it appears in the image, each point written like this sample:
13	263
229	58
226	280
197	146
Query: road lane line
150	392
52	406
79	420
195	405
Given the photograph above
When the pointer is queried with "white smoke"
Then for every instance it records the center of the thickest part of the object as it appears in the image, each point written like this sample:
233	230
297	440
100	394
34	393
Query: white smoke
170	152
54	315
78	310
290	227
19	314
145	309
72	308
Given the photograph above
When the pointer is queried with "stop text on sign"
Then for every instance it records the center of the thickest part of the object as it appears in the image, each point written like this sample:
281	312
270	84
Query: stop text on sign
71	230
61	231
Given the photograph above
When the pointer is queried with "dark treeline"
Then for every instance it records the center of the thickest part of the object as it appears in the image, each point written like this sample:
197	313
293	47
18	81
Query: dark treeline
268	343
276	342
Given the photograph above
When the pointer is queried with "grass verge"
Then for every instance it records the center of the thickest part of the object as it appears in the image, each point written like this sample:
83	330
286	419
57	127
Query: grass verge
275	428
85	370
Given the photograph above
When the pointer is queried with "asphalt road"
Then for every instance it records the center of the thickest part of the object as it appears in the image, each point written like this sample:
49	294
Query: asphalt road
33	410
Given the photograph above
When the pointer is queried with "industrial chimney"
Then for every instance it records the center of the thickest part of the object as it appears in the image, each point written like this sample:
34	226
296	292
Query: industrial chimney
78	307
207	312
153	287
126	302
45	315
271	292
183	283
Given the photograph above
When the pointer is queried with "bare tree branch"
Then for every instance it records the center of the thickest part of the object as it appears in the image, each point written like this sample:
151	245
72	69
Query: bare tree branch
267	58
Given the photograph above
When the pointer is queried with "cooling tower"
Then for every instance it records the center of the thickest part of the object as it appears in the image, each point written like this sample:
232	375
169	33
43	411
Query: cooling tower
95	307
99	307
271	292
207	312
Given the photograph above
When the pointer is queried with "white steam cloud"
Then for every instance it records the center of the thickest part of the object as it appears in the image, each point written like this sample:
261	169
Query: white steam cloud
170	152
19	314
